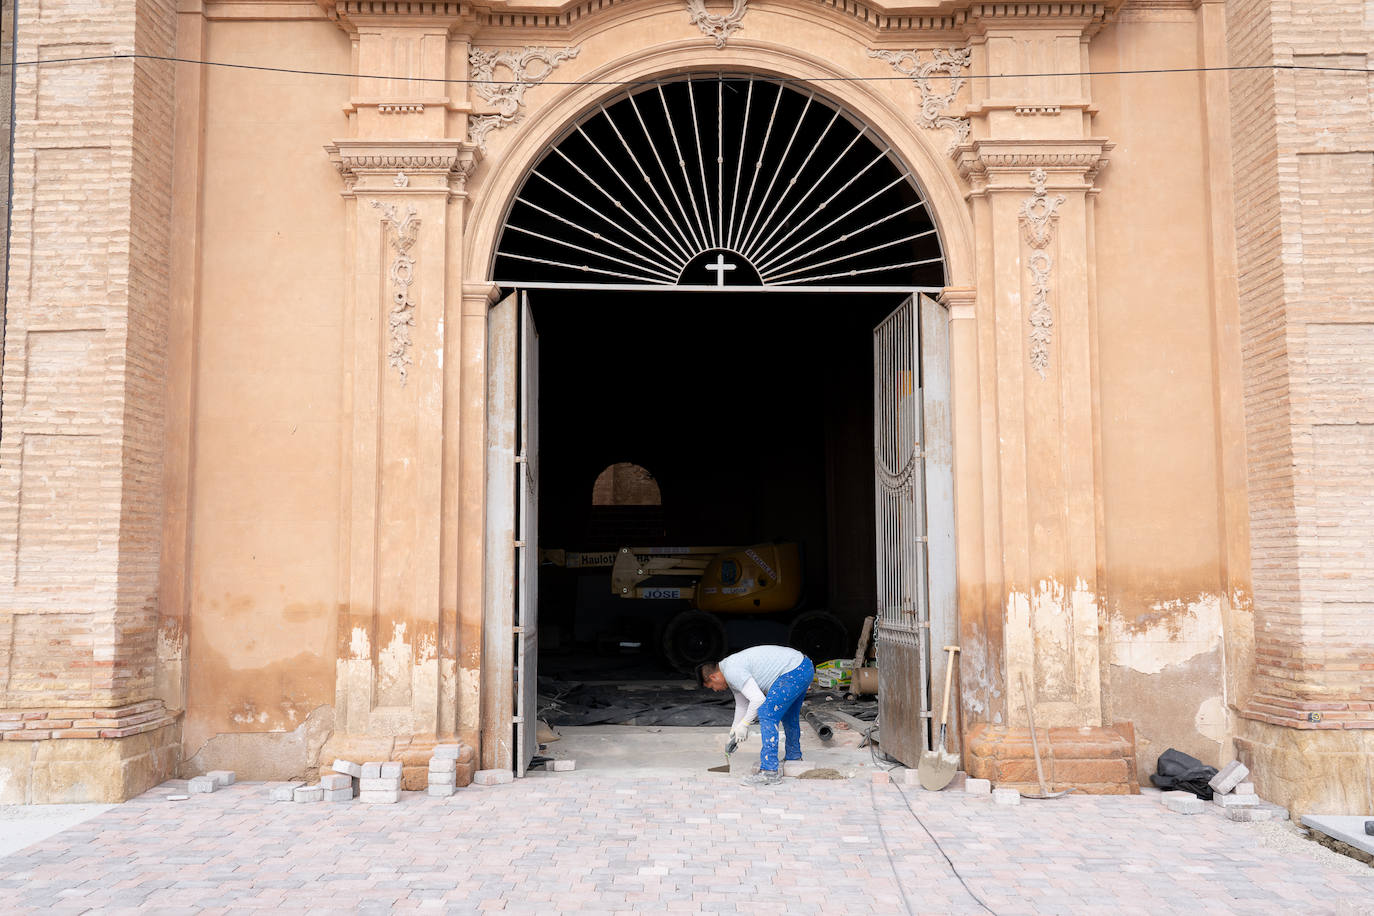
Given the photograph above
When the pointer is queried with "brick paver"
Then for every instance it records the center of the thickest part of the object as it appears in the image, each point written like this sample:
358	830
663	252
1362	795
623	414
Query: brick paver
622	842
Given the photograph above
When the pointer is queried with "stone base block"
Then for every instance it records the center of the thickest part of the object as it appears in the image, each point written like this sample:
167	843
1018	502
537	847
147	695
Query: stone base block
339	795
977	786
493	777
1003	796
1236	801
382	783
1228	777
380	796
332	782
285	793
1247	814
70	770
1309	770
1183	803
222	777
564	766
202	785
348	768
440	791
1092	759
309	794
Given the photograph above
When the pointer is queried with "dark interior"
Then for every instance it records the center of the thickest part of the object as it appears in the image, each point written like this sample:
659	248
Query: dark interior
752	411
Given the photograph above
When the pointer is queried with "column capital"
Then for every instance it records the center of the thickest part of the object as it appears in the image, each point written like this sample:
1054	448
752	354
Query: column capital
411	166
353	14
960	301
1069	165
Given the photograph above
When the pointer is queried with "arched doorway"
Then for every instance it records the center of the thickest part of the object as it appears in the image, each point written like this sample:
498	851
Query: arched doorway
706	258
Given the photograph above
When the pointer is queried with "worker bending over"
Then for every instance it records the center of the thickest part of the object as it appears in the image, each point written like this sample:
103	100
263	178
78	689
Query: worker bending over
768	682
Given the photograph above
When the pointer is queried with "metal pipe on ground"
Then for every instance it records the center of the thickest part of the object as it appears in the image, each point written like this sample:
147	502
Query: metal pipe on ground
823	731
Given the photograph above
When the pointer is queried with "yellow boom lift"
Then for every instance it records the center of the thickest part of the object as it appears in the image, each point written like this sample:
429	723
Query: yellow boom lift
719	584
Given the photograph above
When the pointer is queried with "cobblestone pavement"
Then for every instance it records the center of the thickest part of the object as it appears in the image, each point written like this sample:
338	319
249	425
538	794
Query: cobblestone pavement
626	842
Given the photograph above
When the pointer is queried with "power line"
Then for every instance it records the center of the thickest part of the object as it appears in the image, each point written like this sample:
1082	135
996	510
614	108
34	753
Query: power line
1149	71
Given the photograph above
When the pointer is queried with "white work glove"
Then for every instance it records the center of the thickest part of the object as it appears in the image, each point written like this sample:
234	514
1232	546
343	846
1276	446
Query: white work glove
740	732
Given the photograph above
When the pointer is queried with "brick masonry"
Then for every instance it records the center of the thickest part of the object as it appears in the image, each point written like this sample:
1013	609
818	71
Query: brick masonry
83	423
1305	234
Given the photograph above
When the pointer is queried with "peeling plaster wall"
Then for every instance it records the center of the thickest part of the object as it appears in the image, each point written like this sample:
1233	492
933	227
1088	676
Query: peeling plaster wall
266	755
1167	675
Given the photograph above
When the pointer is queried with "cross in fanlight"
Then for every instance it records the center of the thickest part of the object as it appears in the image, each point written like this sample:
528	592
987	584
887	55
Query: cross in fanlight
720	267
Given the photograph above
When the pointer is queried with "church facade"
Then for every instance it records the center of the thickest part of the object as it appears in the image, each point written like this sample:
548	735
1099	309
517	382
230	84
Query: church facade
262	458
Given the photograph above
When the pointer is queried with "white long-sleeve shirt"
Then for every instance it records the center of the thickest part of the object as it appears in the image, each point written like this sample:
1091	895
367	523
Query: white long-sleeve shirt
750	674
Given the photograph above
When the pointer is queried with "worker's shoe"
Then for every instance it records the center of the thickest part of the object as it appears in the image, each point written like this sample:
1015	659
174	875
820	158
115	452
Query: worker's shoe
762	778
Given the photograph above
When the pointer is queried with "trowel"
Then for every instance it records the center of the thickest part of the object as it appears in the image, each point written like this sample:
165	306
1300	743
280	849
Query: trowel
729	749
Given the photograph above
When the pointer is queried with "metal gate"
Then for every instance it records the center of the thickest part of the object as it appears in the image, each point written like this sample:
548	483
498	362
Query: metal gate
513	518
914	512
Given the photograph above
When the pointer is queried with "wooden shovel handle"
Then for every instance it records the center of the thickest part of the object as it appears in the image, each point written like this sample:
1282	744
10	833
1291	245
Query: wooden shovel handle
949	673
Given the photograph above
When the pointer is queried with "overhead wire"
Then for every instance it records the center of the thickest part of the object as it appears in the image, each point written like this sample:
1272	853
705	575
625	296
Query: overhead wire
797	80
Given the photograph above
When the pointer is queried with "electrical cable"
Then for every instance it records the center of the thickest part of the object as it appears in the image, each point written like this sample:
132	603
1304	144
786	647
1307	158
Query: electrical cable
948	860
891	862
874	753
802	81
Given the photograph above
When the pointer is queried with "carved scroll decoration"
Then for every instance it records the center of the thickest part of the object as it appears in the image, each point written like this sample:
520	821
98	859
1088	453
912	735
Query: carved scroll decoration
946	64
528	66
716	27
401	319
1038	216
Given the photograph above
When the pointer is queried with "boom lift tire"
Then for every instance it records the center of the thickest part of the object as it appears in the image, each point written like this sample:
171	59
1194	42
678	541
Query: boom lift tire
819	635
691	638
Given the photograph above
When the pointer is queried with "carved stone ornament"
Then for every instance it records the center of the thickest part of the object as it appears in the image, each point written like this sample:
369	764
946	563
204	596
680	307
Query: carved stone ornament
528	67
716	27
1038	216
403	232
941	64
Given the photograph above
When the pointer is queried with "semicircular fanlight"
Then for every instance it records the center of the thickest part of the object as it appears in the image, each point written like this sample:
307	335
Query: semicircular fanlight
720	181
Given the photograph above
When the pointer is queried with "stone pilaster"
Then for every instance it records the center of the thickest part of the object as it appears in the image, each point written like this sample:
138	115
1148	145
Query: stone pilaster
1031	163
405	186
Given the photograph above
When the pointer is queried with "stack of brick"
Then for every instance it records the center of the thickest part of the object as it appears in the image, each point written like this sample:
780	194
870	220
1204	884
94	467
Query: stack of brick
443	770
1236	797
380	783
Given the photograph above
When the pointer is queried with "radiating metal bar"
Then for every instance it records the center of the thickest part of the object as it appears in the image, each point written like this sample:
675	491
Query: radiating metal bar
787	220
601	214
788	190
582	267
590	251
774	267
825	203
633	193
682	164
851	254
596	235
720	161
672	188
868	270
853	233
763	150
782	165
683	250
701	164
739	164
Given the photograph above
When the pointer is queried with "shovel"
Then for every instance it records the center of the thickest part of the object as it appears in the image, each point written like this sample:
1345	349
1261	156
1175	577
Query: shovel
937	767
1035	747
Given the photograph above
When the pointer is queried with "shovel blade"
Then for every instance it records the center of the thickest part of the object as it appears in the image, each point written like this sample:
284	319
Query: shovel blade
936	770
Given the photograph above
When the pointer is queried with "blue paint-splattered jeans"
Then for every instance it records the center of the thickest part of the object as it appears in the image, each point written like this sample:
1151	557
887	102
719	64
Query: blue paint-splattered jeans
783	704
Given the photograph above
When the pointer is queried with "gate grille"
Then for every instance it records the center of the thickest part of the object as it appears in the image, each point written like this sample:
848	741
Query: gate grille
720	181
